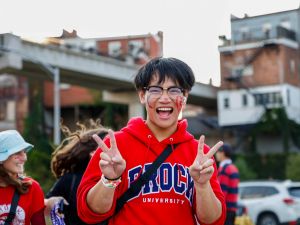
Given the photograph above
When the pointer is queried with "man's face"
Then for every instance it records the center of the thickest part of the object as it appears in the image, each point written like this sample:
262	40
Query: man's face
219	156
163	103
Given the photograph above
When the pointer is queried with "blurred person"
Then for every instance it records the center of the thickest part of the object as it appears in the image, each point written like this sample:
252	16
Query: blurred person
68	163
229	180
184	189
28	195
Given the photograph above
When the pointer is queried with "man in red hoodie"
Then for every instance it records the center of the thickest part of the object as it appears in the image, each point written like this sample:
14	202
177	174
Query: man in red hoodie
184	190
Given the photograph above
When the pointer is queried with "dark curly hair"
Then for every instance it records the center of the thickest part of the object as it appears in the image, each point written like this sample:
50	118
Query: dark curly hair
73	154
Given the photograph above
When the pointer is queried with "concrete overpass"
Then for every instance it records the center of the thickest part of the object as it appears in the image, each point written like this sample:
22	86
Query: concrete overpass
22	57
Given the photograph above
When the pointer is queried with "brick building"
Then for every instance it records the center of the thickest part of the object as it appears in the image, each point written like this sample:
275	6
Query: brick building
132	49
260	70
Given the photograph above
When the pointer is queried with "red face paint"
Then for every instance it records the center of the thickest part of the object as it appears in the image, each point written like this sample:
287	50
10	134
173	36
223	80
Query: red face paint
179	102
151	101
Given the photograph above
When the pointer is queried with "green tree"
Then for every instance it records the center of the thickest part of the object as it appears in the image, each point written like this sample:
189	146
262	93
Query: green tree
38	163
292	167
246	173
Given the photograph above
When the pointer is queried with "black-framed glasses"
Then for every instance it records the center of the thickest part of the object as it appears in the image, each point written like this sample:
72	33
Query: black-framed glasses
157	91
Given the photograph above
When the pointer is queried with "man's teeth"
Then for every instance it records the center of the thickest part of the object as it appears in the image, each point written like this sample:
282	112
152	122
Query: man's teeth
164	109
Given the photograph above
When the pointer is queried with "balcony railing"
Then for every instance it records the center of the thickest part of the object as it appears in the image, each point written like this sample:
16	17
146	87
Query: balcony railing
257	34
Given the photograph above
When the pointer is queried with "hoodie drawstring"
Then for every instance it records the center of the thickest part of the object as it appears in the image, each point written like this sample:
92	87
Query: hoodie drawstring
176	164
146	155
145	158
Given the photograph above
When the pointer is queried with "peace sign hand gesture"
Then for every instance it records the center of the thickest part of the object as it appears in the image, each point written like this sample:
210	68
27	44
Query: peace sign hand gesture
111	163
202	168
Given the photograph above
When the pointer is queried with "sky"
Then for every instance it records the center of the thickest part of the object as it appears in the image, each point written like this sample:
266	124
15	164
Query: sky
190	27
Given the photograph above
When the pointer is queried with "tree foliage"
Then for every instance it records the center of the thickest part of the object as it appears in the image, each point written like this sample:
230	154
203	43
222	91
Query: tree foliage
246	172
293	168
275	121
258	166
38	163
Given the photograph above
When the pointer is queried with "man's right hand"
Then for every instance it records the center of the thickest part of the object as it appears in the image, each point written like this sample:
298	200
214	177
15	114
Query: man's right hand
112	164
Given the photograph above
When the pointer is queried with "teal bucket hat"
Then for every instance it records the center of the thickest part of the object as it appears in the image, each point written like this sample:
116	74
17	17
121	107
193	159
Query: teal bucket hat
12	142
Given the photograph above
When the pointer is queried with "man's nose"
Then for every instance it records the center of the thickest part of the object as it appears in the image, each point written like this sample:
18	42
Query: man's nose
165	95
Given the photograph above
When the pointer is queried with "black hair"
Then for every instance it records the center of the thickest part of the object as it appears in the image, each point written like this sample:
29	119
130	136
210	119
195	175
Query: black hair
178	71
227	149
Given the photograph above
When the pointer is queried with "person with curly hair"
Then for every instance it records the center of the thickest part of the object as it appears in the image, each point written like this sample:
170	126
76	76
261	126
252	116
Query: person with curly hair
69	161
15	187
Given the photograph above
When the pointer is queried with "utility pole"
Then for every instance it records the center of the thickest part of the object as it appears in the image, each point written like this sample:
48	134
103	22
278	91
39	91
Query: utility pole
54	71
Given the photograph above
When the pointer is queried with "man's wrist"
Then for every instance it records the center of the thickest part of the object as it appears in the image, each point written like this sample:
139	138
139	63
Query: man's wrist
202	186
110	183
112	179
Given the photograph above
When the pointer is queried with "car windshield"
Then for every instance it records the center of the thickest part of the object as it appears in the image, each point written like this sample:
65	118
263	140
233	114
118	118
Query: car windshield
294	191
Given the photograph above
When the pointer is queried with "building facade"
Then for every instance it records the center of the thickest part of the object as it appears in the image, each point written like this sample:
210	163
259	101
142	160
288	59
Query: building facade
13	102
260	69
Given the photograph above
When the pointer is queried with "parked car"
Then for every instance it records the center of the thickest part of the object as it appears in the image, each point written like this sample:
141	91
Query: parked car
271	202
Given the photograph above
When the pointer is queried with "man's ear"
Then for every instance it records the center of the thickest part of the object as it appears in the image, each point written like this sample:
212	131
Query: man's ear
142	96
185	97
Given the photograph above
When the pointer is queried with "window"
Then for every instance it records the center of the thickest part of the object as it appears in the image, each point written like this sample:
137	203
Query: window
294	191
2	40
64	86
278	98
288	97
245	33
236	72
135	47
268	191
268	98
257	192
292	66
2	110
114	48
11	110
248	71
286	24
245	100
7	110
226	103
266	28
258	99
242	71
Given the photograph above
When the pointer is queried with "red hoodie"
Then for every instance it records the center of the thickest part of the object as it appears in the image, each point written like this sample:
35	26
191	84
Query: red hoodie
169	197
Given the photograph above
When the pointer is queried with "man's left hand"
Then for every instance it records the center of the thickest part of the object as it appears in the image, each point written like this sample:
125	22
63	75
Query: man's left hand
202	168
